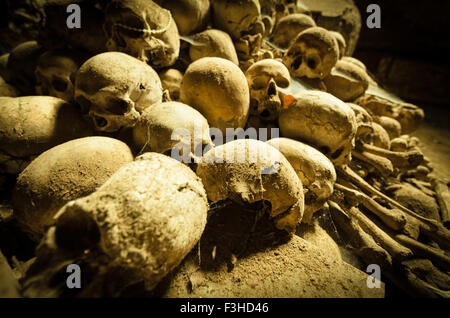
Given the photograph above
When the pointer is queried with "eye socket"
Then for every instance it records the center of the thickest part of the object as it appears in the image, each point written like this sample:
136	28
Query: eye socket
312	63
259	83
297	62
84	104
116	106
59	84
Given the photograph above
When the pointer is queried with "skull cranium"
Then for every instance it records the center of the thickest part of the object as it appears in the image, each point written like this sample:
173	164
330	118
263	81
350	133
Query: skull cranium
55	73
136	228
264	77
323	121
116	88
142	29
312	54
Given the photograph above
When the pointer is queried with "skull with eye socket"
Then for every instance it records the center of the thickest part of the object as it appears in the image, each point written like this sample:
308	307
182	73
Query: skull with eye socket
312	54
264	77
115	88
241	19
55	73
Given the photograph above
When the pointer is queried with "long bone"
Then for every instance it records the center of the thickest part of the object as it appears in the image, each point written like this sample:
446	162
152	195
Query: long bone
431	228
393	218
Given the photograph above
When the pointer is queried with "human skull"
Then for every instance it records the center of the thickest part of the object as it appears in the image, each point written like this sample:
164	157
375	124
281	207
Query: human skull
213	43
346	81
190	15
30	125
380	137
264	77
364	123
289	27
136	228
21	64
171	81
391	125
322	121
218	89
342	45
314	169
241	19
142	29
116	88
163	127
55	73
63	173
312	54
249	171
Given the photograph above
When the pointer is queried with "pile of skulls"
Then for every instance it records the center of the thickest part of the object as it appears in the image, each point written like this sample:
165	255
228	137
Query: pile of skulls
92	118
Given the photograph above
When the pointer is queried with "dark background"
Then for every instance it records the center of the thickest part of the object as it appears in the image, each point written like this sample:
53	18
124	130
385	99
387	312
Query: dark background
410	53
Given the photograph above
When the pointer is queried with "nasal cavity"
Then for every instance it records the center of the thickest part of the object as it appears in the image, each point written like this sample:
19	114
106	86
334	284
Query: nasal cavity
272	89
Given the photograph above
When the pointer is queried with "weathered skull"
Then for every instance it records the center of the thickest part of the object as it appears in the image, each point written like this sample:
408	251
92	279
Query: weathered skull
63	173
30	125
55	73
190	15
142	29
217	88
380	137
264	78
314	169
172	126
312	54
241	19
136	228
341	43
249	171
289	27
346	81
364	123
391	125
171	81
116	88
213	43
322	121
21	64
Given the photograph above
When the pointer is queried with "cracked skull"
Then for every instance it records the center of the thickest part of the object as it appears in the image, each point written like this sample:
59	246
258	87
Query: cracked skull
250	171
116	88
324	122
142	29
55	73
314	169
264	78
312	54
135	229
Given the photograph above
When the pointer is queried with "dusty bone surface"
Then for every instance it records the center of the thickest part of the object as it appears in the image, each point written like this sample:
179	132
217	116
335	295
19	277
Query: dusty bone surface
134	229
375	159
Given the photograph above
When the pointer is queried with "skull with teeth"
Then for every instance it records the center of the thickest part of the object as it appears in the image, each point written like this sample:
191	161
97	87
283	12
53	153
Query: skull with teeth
312	54
264	78
55	73
249	171
142	29
314	169
241	19
323	121
116	88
